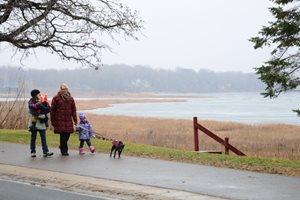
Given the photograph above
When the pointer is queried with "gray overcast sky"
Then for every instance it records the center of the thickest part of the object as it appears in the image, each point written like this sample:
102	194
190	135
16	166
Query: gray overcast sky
193	34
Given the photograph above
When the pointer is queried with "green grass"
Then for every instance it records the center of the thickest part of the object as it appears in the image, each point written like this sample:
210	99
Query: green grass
257	164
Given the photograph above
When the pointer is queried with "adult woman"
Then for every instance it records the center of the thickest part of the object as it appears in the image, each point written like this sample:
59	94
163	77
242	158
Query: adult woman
63	116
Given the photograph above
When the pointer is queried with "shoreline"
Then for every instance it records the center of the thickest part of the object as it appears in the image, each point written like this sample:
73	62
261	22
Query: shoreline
94	104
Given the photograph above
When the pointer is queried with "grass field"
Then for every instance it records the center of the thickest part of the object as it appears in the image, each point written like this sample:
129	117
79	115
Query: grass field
250	163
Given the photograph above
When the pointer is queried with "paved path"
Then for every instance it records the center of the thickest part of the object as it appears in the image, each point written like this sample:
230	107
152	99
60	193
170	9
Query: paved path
212	181
19	191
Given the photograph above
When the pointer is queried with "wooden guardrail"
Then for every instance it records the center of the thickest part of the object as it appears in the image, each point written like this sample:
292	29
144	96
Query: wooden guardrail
224	142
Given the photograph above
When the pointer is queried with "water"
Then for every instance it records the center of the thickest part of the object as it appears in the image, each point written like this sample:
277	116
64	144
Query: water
249	108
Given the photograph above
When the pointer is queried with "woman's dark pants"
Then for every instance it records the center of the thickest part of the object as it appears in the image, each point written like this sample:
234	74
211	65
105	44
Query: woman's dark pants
64	137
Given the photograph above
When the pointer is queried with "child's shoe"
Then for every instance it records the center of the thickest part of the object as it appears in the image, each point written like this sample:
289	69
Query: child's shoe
92	149
81	151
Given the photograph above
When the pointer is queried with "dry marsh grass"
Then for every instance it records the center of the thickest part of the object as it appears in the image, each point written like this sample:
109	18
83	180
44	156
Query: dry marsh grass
13	114
276	141
271	140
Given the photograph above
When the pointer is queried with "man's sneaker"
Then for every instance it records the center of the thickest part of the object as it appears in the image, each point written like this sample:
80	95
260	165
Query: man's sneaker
48	154
65	154
33	155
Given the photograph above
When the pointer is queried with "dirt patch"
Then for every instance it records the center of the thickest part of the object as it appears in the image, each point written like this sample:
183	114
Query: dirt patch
94	186
132	98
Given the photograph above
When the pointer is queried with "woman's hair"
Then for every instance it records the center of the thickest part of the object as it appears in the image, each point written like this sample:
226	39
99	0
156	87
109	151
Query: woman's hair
63	85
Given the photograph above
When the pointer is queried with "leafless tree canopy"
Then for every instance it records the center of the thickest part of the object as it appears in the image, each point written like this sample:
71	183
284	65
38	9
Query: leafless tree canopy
73	29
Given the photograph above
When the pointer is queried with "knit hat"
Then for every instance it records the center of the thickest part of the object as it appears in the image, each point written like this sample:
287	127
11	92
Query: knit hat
82	116
34	92
43	97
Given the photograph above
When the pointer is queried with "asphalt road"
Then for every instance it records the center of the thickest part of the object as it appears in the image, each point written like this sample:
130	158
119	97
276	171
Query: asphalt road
20	191
212	181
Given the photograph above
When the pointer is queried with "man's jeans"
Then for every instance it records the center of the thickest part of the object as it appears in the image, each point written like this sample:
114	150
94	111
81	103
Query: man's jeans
43	140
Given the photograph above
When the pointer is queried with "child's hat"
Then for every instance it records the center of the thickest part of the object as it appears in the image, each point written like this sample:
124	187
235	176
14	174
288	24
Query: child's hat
82	116
43	97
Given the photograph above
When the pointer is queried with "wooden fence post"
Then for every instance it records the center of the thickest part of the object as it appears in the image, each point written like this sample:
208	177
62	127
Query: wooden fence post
196	140
226	144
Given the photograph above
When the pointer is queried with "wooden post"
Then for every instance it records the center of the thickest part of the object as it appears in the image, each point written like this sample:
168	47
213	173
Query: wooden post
226	141
196	140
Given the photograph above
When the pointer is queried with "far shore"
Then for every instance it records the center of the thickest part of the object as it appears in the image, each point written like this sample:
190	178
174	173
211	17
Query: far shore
132	98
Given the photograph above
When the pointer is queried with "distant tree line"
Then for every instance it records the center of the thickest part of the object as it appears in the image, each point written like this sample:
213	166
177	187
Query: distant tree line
122	78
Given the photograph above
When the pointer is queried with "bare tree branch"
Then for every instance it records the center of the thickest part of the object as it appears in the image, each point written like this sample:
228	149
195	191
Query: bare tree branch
73	29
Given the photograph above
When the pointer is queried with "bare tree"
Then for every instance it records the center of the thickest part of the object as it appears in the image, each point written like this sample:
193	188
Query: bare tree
73	29
13	107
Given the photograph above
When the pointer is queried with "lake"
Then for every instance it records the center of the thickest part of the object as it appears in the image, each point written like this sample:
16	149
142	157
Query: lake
249	108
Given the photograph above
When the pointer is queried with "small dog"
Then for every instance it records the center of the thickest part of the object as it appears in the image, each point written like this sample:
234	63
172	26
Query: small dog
117	146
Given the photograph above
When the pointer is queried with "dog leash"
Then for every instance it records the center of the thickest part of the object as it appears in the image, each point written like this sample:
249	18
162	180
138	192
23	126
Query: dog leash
97	135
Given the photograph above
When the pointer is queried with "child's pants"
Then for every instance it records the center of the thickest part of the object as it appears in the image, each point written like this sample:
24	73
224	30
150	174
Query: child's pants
88	141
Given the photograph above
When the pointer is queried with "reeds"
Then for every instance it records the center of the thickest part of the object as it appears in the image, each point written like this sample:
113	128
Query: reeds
13	113
273	140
